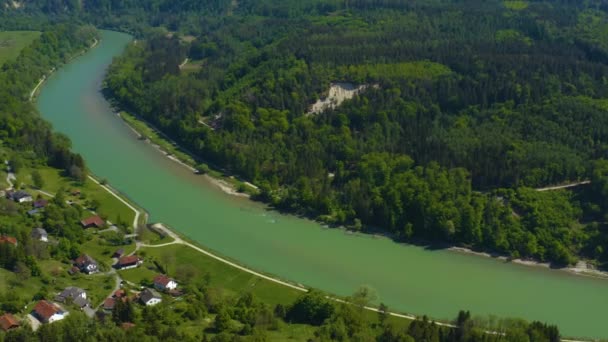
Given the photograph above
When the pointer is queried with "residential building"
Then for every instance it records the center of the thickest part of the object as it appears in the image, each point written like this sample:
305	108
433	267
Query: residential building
21	197
8	322
40	234
77	295
8	239
109	304
86	264
48	312
150	297
164	283
127	262
93	221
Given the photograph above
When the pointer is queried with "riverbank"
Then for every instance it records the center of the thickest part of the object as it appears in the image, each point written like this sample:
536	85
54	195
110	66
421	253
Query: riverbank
582	268
173	151
34	91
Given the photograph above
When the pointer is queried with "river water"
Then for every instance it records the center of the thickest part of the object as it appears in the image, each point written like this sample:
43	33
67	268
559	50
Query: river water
406	278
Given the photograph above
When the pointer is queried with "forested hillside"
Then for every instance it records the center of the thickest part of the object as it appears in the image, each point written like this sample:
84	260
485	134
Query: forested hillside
472	101
21	127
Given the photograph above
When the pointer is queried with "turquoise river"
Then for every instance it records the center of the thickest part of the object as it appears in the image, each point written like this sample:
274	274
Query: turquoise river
407	278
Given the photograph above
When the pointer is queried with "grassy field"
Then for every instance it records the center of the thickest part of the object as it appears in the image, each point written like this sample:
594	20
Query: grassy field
12	42
109	206
186	264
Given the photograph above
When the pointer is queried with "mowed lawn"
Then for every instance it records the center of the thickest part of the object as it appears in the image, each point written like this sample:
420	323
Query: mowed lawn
184	261
12	42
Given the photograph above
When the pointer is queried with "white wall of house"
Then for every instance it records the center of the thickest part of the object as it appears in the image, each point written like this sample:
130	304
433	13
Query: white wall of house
57	317
129	267
153	301
172	285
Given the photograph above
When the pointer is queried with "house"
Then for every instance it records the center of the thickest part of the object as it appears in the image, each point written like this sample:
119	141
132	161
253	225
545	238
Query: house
93	221
119	253
164	283
73	270
120	293
149	297
40	234
109	304
41	203
21	197
8	239
8	322
86	264
48	312
127	262
72	293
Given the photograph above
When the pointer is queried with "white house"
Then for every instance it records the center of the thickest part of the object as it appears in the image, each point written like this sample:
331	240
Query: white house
164	283
149	297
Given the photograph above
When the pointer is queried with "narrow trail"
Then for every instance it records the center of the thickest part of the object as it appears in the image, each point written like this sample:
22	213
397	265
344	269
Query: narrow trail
565	186
184	63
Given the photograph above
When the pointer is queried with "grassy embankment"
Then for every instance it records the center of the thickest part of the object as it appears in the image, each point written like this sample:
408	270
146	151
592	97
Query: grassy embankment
171	148
12	42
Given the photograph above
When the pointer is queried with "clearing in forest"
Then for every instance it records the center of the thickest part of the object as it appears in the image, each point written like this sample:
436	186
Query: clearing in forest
12	42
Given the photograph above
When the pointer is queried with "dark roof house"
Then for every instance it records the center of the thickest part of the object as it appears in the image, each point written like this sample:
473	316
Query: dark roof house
41	203
21	196
72	293
149	297
40	234
119	253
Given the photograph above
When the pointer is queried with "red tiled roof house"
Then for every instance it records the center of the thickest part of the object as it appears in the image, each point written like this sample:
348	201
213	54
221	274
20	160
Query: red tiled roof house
8	322
164	283
127	262
47	312
93	221
8	239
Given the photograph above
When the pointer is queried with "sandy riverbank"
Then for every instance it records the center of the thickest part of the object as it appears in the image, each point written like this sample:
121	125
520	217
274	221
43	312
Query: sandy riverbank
581	268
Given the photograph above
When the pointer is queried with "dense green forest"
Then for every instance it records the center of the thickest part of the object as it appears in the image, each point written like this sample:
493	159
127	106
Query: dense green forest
21	127
473	103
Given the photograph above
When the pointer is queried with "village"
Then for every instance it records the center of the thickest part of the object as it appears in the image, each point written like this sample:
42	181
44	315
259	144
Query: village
55	307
